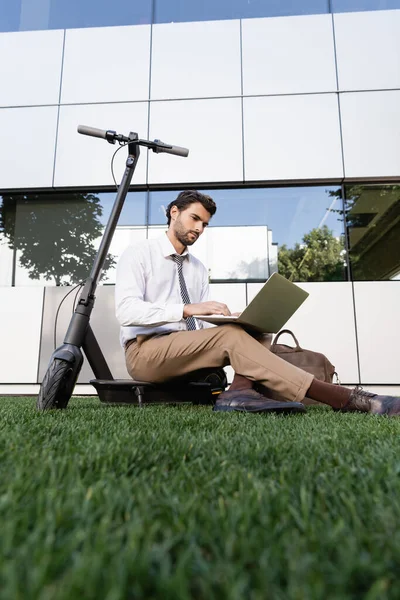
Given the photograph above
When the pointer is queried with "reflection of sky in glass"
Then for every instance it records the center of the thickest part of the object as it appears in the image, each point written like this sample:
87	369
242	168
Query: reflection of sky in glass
133	212
21	15
288	212
360	5
167	11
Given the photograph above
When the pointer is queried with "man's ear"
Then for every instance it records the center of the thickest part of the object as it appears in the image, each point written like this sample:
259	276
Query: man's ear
174	212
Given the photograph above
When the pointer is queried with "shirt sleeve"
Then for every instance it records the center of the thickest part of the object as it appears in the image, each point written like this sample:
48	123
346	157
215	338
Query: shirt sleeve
205	288
131	308
205	291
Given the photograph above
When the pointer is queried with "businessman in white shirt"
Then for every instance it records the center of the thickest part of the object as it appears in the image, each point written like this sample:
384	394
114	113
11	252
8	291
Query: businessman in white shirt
160	286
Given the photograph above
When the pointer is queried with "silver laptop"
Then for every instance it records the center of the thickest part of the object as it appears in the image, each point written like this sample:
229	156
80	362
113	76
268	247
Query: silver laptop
269	310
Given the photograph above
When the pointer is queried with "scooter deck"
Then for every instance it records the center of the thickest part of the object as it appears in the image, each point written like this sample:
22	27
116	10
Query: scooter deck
129	391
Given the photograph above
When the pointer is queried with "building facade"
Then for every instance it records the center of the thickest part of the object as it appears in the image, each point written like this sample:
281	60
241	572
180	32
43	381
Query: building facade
291	113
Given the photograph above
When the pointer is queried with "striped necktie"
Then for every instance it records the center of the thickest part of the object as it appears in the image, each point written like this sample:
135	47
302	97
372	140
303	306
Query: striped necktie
178	259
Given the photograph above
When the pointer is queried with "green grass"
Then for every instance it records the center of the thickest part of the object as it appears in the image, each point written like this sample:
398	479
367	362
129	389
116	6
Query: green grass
112	503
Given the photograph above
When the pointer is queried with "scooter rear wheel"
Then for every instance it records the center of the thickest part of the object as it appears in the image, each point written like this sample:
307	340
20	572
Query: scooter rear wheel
56	388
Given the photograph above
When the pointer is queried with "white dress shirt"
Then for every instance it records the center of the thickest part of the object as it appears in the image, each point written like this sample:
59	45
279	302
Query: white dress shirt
147	293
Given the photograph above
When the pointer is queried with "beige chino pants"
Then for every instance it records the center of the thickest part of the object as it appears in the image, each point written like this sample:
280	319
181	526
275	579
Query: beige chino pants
158	359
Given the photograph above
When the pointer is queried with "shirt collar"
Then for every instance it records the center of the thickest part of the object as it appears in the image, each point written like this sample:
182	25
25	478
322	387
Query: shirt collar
167	247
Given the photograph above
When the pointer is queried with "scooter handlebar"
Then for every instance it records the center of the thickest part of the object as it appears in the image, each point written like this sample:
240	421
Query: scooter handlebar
111	136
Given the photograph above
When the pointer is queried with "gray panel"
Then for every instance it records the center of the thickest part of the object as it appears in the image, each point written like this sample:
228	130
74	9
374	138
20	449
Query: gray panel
212	131
183	66
101	64
370	129
30	67
280	57
27	146
103	323
292	137
368	50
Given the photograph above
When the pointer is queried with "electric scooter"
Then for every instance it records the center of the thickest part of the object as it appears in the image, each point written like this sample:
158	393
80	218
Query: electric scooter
66	361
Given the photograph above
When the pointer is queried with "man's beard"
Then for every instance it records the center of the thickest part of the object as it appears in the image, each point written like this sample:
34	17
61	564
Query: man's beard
184	235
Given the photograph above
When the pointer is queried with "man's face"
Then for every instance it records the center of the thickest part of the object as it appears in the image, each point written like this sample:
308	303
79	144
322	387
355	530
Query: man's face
189	224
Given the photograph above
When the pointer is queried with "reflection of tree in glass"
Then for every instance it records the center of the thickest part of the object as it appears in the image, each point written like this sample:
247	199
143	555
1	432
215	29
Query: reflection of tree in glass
254	269
372	215
319	258
55	237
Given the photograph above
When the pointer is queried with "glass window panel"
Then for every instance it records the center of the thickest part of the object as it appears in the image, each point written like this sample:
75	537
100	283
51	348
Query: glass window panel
167	11
10	11
373	226
296	231
56	236
361	5
35	14
23	15
91	13
124	236
133	212
7	254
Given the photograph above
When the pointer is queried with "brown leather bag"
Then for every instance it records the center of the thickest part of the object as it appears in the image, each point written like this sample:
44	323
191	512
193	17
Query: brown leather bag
308	360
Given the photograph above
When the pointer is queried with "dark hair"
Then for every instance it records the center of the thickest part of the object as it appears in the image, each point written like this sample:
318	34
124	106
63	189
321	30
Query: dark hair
188	197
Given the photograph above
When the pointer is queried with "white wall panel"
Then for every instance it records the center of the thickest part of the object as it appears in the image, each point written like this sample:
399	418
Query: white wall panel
371	133
287	55
368	49
196	60
83	160
292	137
325	323
106	64
212	131
231	294
30	67
378	329
27	146
6	262
20	324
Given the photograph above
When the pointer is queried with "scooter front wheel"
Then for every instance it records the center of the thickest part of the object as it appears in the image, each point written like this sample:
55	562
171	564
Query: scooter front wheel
57	385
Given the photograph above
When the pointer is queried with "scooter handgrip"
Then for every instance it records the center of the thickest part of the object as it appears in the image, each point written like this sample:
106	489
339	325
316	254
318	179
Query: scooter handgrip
85	130
179	151
163	147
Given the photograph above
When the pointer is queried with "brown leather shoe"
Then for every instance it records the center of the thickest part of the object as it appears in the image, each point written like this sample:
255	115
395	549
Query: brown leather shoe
372	403
252	401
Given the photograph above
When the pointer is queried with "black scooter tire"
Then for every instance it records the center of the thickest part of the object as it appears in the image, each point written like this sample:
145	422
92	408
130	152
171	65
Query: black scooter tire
55	388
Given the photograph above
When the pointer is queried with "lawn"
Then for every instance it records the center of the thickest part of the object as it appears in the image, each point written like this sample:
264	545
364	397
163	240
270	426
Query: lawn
105	502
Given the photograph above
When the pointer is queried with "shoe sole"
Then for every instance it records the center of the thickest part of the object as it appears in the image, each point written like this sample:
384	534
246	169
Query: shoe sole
285	408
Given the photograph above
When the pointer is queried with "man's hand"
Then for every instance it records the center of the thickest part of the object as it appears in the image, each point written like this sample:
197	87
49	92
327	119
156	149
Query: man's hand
205	308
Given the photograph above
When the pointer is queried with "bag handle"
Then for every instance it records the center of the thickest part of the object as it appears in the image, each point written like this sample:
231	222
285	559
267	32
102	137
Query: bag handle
298	347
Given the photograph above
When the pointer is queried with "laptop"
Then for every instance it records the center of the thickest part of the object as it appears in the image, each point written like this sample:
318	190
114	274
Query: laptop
269	310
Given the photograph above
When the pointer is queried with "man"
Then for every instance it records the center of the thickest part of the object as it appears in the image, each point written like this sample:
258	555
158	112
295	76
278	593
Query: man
160	286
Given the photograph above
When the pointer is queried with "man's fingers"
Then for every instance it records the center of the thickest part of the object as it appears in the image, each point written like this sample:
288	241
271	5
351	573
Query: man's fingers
222	309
